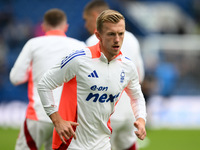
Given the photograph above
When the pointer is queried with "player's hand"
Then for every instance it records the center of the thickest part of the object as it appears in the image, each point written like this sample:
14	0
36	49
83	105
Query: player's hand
140	125
63	128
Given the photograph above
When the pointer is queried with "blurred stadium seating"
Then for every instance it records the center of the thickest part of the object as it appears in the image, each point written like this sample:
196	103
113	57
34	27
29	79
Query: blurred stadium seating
168	31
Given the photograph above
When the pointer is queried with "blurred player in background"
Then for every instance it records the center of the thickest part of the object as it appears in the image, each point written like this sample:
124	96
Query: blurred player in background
123	136
94	79
36	57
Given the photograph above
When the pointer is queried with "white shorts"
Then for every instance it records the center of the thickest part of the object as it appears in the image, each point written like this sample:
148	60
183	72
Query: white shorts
33	134
123	135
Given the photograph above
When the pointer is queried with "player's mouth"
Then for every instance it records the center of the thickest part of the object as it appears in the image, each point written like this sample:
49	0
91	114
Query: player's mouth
116	47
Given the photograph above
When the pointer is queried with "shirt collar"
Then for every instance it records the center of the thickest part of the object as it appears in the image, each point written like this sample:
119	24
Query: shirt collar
98	53
55	32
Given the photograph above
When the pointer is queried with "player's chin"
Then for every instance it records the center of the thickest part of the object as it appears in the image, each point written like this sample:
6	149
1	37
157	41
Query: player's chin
116	51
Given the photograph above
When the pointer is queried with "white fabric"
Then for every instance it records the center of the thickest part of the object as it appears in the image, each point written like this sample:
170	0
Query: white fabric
122	120
38	55
93	113
41	132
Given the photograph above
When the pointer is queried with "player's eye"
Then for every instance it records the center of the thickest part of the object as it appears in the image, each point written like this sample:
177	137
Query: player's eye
121	33
111	34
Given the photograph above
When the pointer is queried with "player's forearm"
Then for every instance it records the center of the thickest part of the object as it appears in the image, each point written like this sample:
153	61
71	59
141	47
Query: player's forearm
137	100
20	72
18	75
55	118
139	108
46	96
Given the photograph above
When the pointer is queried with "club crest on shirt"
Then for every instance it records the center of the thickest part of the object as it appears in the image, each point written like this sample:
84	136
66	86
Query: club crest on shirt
122	76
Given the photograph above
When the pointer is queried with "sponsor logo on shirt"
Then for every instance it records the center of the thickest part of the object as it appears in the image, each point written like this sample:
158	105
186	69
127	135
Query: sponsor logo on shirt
96	97
100	88
93	74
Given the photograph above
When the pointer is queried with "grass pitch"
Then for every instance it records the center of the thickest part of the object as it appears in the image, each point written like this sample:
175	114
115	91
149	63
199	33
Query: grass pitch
156	139
8	138
171	140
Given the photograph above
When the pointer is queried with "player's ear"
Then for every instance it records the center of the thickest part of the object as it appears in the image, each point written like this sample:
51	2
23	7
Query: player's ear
66	27
43	27
98	35
95	15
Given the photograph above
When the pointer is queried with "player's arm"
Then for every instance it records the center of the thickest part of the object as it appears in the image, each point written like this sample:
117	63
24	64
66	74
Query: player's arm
138	104
55	77
20	72
52	79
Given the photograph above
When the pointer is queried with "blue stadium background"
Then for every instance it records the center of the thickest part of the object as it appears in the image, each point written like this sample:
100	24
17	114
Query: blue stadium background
29	14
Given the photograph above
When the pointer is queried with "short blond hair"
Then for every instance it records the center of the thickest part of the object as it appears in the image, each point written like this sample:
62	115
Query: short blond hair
109	15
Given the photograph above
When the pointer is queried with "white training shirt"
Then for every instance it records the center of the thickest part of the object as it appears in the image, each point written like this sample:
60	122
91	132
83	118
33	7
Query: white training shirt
123	111
37	56
94	87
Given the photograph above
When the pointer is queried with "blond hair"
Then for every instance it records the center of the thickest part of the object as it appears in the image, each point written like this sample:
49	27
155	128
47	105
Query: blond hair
109	15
